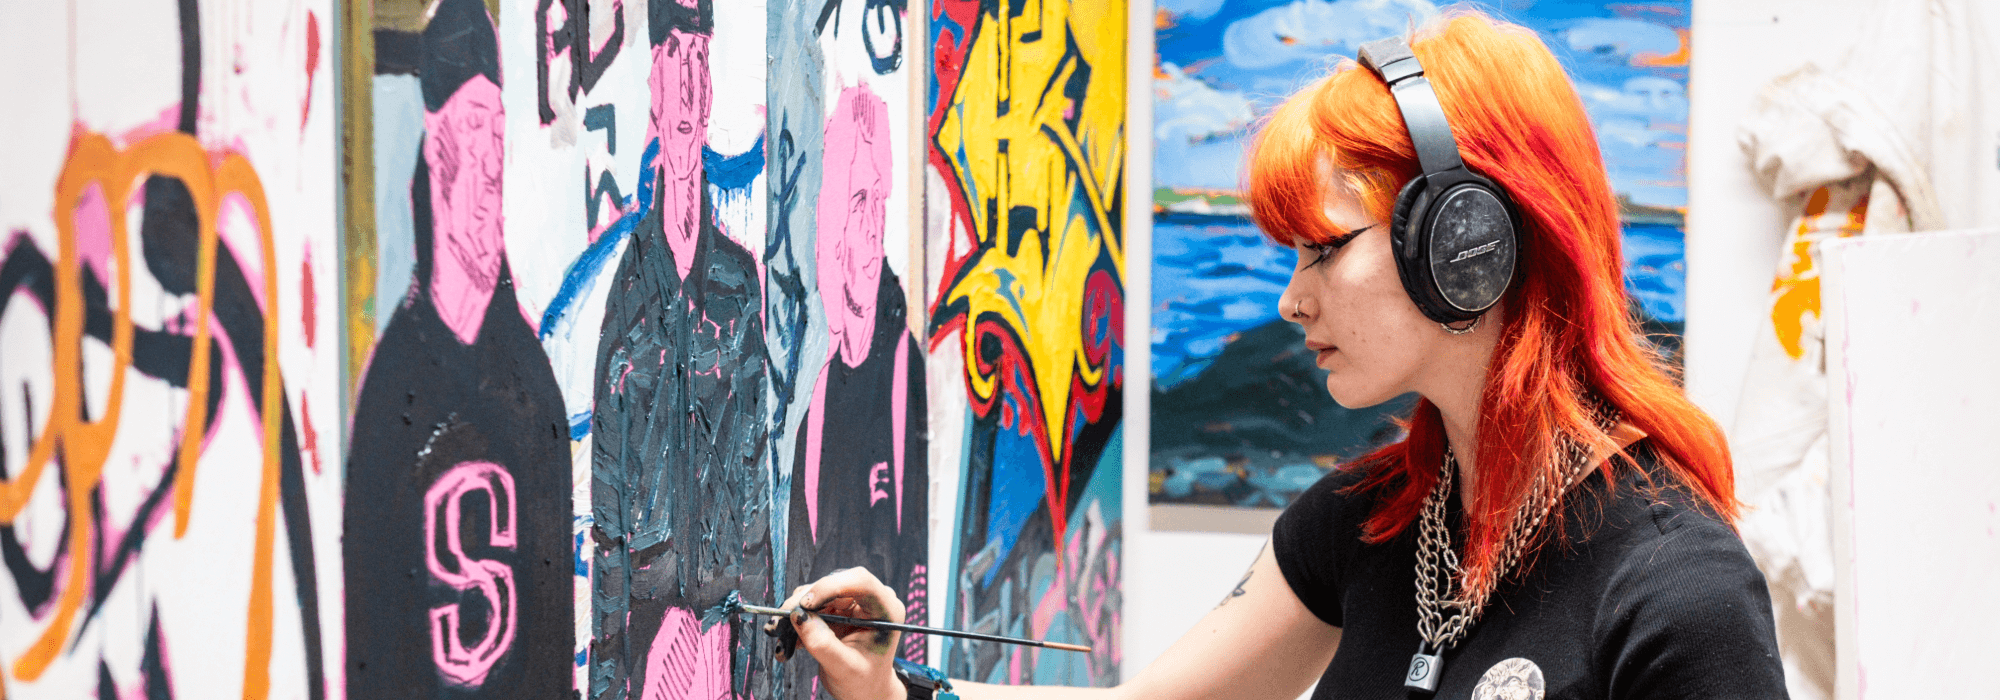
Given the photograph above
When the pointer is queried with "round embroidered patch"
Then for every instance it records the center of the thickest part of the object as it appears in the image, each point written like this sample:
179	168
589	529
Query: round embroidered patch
1513	679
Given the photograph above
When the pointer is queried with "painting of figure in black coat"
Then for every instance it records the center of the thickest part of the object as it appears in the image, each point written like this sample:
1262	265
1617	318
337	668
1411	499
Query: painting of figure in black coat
457	511
680	487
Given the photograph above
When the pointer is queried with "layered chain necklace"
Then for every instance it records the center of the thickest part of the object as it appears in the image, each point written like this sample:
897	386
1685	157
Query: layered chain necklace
1436	560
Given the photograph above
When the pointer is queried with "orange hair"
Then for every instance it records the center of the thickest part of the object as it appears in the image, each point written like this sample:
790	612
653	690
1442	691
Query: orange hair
1567	338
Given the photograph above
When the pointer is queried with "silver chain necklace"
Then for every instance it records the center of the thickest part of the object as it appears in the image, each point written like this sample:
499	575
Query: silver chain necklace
1435	560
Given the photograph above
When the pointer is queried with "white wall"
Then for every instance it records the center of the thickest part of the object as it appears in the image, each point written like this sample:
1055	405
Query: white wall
1910	331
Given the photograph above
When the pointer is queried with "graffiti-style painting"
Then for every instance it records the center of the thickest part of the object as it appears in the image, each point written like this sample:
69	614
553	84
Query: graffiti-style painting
169	391
640	373
1026	141
601	311
1239	415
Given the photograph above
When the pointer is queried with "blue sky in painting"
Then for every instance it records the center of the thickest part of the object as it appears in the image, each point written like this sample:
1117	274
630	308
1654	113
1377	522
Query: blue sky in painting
1224	63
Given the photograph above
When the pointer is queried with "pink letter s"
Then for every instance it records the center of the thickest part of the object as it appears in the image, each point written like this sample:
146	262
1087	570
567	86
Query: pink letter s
495	580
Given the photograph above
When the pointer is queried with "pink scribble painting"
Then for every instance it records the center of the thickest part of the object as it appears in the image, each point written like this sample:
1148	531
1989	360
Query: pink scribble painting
465	153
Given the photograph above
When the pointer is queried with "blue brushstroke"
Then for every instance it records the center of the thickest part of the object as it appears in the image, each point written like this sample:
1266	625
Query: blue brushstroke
1019	488
1656	270
579	425
733	172
577	279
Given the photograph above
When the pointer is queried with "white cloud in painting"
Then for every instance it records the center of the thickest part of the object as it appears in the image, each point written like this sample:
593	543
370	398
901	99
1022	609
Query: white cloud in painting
1630	113
1621	38
1195	10
1186	109
1311	29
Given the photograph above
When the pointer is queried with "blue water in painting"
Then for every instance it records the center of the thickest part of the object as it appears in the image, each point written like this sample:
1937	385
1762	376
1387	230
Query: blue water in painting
1215	277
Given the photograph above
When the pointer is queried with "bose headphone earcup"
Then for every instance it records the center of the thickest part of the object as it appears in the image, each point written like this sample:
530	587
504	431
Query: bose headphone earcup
1455	238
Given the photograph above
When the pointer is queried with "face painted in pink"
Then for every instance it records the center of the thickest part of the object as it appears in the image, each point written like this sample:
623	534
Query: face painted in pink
465	153
853	194
681	95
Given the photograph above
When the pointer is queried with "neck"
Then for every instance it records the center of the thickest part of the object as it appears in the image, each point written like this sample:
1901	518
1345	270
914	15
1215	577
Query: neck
681	217
461	295
1456	391
1461	429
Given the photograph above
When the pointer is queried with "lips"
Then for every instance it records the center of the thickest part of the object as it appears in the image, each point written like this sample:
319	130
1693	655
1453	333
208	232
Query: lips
1321	350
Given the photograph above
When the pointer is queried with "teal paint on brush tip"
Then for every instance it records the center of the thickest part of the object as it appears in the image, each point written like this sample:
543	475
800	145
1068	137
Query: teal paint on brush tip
730	605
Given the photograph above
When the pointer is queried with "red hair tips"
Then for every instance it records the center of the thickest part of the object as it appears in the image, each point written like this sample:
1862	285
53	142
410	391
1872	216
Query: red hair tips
1567	337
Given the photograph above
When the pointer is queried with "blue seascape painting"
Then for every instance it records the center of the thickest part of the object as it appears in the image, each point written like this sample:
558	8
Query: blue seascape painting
1240	416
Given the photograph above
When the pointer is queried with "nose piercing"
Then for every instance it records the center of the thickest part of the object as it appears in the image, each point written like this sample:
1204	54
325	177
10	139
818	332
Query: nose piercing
1296	312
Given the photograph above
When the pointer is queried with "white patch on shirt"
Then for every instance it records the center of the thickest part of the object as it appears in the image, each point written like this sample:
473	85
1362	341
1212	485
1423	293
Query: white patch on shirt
1513	679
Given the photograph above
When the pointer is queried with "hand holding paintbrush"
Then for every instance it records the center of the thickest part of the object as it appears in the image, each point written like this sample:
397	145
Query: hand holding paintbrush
849	622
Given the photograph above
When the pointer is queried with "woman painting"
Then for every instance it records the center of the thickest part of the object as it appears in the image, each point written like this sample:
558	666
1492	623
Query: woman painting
1557	523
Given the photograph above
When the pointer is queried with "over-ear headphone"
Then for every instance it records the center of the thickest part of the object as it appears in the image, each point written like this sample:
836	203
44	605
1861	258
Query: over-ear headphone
1453	233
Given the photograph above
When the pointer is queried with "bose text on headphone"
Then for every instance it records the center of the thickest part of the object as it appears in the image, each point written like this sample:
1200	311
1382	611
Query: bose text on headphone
1453	232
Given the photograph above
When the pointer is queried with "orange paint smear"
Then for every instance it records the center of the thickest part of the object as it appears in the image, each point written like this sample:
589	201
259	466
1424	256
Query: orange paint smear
1679	58
1797	289
94	161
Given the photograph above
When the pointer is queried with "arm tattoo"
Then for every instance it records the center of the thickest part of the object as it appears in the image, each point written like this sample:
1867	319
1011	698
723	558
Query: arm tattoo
1238	592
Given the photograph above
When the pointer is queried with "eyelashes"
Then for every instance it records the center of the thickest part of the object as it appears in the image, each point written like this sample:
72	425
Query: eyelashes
1322	251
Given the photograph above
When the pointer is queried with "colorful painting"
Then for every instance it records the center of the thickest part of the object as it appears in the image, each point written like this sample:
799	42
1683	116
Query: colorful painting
457	511
1239	414
635	323
170	387
641	307
1024	197
851	438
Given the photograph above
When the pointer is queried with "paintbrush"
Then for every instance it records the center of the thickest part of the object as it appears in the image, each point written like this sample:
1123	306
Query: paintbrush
898	626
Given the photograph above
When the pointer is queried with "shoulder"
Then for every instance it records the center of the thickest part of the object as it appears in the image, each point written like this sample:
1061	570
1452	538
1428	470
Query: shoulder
1684	606
724	254
1330	500
1666	535
1315	538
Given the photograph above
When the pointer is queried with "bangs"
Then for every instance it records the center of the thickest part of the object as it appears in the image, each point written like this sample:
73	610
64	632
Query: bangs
1285	172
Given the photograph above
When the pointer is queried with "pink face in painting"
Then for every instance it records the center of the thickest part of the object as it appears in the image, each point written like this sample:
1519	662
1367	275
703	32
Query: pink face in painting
852	213
464	151
681	92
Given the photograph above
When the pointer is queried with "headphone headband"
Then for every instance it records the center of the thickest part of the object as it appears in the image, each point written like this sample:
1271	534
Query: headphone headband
1423	115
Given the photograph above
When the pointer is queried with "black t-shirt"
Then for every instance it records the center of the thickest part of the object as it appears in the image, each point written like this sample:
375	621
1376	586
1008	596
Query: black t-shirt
1649	596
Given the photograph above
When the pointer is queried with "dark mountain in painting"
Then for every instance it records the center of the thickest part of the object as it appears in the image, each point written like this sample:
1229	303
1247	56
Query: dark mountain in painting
1257	426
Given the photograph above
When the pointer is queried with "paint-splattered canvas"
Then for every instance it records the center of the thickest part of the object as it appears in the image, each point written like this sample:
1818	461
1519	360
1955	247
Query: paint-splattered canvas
169	390
1240	416
1025	143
